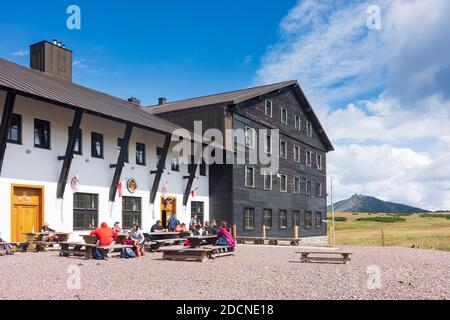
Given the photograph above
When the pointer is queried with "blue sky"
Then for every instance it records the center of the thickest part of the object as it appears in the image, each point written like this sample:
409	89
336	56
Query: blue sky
149	49
383	95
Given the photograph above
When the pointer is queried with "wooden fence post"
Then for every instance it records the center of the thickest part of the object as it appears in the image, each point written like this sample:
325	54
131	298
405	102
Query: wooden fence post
382	236
263	232
234	232
296	232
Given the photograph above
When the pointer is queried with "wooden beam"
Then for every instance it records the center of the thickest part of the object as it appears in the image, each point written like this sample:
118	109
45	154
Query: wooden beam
65	169
120	162
6	123
187	191
160	169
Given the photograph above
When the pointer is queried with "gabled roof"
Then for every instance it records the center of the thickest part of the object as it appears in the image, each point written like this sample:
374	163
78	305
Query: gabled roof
228	98
35	84
235	97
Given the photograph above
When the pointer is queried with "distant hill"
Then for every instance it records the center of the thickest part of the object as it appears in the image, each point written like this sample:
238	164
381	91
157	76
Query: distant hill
361	203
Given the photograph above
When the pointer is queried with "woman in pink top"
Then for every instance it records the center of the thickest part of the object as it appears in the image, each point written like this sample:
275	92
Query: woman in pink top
224	236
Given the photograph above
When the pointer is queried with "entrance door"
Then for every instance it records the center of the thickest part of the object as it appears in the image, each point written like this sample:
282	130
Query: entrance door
27	211
168	207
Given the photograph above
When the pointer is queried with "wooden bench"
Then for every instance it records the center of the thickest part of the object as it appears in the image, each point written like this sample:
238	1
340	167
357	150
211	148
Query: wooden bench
87	249
195	254
325	256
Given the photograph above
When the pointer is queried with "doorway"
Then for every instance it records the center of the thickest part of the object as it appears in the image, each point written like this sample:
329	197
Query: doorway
168	207
27	211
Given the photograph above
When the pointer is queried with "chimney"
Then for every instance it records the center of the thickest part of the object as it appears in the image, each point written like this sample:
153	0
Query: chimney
52	58
162	101
134	101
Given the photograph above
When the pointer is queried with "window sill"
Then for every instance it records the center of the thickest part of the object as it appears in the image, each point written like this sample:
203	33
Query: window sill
15	142
42	147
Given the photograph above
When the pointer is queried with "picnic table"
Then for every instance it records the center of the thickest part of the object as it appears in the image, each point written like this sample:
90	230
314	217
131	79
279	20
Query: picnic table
151	236
325	256
34	240
195	254
93	239
197	241
87	249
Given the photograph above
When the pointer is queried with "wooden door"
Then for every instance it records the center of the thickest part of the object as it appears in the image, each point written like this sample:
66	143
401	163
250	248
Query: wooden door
27	211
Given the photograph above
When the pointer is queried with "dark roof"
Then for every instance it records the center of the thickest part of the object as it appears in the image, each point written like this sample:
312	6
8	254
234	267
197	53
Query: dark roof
235	97
35	84
229	98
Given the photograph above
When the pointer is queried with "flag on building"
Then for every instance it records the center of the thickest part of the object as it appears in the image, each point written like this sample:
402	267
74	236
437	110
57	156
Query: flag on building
165	191
193	192
75	183
119	189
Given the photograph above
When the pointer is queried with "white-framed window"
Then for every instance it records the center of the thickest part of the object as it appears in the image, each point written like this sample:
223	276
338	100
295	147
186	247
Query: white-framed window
250	137
268	143
309	130
308	187
267	179
296	153
249	177
284	116
318	161
296	185
298	123
283	149
283	183
308	158
268	108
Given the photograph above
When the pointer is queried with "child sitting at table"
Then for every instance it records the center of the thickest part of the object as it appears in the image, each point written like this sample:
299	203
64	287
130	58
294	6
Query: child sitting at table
225	237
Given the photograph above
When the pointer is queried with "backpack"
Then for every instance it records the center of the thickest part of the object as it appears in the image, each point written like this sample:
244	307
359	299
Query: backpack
127	253
222	242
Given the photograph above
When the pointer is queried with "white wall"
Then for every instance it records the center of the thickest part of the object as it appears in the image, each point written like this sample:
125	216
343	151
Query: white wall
41	167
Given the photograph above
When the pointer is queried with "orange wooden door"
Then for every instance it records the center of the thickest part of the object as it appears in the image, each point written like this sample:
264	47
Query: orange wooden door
26	215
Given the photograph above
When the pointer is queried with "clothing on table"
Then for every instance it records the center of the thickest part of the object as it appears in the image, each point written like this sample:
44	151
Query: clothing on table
104	234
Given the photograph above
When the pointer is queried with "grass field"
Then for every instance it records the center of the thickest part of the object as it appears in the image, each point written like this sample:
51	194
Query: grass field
422	232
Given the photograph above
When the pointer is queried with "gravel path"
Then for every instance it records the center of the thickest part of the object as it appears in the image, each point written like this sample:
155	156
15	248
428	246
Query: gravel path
256	272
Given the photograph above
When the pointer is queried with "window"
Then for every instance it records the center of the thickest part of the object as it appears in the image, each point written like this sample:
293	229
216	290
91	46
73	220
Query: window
298	123
308	187
296	185
282	219
284	116
308	219
175	165
295	218
96	145
131	211
203	168
250	135
249	219
267	180
283	149
268	108
198	208
85	211
119	147
318	220
250	177
296	153
308	158
309	130
15	130
267	218
283	183
41	134
318	161
319	189
140	154
77	149
159	153
268	144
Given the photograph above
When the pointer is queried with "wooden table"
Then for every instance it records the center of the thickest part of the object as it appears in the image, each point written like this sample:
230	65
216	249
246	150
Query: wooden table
150	236
325	256
195	254
197	241
87	249
35	242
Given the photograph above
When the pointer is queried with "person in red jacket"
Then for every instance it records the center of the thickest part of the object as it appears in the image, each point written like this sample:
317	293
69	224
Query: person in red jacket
104	234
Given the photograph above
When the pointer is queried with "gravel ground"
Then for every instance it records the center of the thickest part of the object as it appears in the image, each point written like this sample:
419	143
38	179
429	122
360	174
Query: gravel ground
256	272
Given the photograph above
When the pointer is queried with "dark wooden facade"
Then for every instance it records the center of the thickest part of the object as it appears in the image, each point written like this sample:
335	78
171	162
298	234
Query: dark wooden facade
228	194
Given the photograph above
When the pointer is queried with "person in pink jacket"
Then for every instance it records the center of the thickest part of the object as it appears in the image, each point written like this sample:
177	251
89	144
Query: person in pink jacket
225	237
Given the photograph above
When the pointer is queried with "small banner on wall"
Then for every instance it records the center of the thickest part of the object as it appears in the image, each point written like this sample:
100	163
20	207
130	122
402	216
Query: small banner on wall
193	192
75	183
165	191
119	189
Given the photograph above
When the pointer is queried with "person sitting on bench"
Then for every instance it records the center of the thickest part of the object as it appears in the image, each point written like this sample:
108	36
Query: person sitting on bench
157	227
106	236
117	227
224	237
8	249
180	228
138	239
49	235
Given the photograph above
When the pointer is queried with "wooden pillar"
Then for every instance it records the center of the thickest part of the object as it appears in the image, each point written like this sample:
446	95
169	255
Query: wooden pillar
296	232
263	232
234	232
120	163
159	171
6	123
68	156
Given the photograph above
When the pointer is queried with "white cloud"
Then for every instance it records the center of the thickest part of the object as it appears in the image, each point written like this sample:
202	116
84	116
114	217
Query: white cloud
394	142
20	53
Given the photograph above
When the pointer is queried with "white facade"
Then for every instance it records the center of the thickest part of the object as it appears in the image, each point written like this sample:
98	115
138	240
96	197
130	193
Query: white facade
26	165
